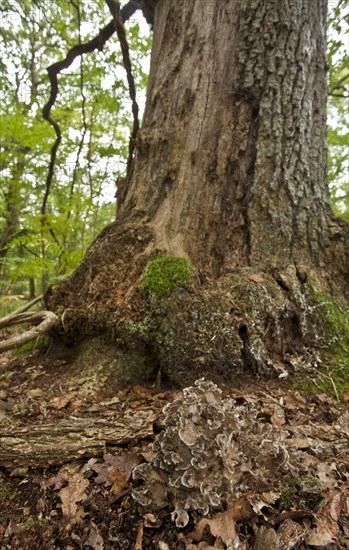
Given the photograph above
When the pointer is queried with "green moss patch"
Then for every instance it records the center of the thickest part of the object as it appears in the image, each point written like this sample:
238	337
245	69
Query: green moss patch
164	274
335	324
41	343
328	319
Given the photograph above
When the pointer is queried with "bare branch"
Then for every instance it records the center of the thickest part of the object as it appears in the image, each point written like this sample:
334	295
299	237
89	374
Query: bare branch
340	83
5	320
114	8
45	320
97	43
338	95
53	72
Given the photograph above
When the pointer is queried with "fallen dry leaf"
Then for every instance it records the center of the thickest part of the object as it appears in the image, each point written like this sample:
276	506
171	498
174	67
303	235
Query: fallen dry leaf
323	398
88	466
95	540
299	442
58	481
141	391
75	405
330	509
73	493
294	401
326	472
117	478
342	424
62	476
222	526
255	278
126	462
274	411
62	401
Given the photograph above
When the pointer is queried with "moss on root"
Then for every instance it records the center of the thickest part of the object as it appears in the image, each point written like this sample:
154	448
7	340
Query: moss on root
240	323
244	322
247	322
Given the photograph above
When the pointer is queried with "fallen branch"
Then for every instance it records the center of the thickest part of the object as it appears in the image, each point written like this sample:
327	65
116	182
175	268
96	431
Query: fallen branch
43	321
42	445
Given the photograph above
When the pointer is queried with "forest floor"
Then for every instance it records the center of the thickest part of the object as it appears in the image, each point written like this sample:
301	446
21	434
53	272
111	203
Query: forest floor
54	494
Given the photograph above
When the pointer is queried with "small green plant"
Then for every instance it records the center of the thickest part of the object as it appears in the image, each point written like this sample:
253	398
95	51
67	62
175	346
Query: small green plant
164	274
34	523
25	349
303	492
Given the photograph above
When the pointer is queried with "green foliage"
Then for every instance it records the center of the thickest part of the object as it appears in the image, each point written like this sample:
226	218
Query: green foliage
164	274
25	349
338	106
93	110
41	343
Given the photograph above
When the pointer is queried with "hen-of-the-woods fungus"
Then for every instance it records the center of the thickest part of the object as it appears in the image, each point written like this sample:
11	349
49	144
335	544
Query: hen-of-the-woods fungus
211	452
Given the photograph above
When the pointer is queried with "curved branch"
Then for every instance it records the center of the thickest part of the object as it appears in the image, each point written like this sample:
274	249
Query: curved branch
53	72
43	321
4	321
114	8
97	43
340	83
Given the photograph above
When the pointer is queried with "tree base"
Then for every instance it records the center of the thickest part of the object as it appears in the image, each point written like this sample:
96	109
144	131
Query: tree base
244	322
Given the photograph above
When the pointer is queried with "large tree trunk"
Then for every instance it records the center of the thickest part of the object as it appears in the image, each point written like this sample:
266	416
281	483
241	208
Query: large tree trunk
230	166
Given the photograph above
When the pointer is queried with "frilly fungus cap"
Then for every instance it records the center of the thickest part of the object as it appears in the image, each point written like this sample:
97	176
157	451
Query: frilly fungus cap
211	452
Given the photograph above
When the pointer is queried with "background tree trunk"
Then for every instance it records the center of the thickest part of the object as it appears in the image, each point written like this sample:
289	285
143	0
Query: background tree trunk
230	164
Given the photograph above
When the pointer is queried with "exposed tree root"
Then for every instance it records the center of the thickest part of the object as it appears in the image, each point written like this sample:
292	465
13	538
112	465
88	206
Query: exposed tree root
43	321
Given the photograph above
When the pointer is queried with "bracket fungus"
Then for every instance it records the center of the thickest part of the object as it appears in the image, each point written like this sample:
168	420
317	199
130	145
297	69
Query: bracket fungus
212	451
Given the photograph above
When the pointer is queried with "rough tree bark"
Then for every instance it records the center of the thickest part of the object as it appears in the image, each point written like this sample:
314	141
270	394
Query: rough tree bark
229	172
